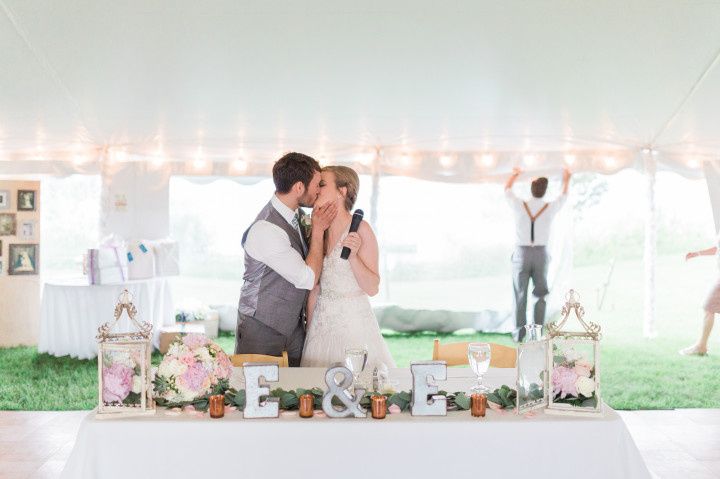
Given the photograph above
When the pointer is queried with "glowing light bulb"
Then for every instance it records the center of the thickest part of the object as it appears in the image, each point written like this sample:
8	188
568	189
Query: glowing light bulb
529	160
570	160
240	165
447	161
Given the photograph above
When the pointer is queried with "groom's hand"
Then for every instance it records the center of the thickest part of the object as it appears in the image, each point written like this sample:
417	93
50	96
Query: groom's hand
323	215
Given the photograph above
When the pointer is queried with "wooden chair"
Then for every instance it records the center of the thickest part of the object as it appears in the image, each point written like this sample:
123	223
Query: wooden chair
455	354
239	359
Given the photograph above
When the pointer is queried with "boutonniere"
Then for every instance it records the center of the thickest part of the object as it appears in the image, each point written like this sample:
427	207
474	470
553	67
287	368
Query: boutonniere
306	225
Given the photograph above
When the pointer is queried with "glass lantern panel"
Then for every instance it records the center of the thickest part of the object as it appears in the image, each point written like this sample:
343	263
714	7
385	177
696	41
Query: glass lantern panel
573	381
531	376
122	375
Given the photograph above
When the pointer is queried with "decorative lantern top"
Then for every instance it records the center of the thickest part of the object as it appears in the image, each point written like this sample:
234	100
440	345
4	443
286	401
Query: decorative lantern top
572	303
144	329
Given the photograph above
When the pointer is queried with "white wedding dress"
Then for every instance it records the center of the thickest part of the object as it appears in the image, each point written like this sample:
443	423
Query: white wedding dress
343	318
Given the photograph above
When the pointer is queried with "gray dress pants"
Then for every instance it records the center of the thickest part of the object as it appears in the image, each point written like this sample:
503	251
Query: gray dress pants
529	262
254	337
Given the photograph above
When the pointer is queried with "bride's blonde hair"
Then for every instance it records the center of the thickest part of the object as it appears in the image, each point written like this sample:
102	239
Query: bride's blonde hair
346	177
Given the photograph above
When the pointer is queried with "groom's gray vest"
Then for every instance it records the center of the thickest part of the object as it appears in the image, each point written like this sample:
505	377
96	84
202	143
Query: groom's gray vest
267	296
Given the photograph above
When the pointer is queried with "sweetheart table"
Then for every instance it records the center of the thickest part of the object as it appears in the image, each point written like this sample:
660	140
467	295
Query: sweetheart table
183	445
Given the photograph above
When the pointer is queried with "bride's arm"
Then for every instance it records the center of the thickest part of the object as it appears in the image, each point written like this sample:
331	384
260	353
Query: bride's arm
311	301
364	258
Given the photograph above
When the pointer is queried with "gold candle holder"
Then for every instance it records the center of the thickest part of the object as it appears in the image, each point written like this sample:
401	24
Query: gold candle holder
307	405
478	405
217	406
378	406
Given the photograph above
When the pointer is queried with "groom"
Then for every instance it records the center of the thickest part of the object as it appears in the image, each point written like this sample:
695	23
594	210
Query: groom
282	264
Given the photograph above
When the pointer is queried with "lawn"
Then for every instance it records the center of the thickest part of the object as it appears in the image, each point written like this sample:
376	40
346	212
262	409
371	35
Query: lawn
636	373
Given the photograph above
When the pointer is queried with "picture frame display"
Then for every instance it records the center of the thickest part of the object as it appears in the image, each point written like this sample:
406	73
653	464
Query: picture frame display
23	259
8	224
4	200
26	200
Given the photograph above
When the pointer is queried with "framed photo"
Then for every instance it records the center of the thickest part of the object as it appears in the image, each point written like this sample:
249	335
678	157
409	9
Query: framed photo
23	259
26	200
4	199
8	224
27	230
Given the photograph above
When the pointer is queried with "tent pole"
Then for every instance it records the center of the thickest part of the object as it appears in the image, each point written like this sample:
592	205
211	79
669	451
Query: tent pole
649	323
375	189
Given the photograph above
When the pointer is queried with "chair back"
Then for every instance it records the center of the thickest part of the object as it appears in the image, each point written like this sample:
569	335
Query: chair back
455	354
238	359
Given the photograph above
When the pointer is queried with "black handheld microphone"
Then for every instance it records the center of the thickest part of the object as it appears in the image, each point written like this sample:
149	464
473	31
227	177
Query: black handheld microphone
354	225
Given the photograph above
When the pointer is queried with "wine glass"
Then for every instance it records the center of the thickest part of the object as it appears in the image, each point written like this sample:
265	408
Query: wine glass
479	359
356	360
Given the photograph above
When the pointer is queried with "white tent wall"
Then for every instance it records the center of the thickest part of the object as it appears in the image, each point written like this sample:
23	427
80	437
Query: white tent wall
135	201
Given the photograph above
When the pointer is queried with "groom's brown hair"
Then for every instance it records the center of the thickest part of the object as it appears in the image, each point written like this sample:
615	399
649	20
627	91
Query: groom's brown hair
291	168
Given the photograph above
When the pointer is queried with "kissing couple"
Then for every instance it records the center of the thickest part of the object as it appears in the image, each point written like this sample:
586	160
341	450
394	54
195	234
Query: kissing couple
298	294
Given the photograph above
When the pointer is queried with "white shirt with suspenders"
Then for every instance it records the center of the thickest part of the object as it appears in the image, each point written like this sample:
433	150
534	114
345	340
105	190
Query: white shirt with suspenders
533	218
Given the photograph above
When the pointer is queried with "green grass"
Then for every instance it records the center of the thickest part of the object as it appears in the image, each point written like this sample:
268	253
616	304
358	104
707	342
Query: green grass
636	373
642	375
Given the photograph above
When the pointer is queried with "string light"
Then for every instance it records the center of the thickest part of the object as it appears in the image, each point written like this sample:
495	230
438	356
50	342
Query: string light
487	160
529	160
239	166
693	163
447	161
570	160
610	162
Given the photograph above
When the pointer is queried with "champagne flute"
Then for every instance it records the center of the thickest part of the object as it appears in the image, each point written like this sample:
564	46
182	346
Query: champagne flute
479	359
356	360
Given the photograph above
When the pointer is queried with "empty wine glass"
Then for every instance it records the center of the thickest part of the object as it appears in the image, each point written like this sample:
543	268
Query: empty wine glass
356	360
479	359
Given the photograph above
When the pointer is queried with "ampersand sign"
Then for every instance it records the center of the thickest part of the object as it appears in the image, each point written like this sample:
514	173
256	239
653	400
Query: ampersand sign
350	402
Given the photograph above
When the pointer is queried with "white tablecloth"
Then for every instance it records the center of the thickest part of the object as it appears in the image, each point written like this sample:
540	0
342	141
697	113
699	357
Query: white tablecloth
499	445
72	311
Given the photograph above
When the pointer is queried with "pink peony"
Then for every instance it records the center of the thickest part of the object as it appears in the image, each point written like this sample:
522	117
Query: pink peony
194	378
188	359
582	368
195	340
117	383
563	380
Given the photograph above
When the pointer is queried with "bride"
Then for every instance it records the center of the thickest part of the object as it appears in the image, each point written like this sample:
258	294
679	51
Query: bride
339	311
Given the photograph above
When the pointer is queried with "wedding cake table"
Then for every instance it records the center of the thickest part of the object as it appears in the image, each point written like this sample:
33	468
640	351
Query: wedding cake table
171	444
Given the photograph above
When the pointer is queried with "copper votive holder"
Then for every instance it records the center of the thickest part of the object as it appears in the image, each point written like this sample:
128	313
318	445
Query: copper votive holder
307	405
378	406
217	406
478	405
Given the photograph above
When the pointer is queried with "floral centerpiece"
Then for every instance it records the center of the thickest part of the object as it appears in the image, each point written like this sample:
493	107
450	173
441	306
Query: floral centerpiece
124	364
121	377
193	369
573	378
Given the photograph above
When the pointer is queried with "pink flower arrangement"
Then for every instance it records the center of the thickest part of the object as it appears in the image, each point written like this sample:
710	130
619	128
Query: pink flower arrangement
117	382
563	379
191	369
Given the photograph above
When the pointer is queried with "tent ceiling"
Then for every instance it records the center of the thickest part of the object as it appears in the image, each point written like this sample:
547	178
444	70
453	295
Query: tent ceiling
337	76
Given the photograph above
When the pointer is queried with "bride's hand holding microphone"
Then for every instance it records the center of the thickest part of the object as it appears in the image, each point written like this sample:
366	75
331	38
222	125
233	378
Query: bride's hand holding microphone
353	242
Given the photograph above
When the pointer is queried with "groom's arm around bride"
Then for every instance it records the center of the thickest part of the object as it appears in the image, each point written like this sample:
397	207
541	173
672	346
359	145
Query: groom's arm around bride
280	266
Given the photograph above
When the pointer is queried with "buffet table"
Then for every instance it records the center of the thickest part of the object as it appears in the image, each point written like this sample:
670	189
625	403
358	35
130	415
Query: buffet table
72	311
172	444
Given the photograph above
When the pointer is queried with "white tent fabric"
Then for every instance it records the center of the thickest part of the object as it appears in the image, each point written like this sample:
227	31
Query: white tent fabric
424	80
455	92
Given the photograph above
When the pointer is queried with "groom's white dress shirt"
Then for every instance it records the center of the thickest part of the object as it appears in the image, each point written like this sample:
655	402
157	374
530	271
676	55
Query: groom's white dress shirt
270	244
542	224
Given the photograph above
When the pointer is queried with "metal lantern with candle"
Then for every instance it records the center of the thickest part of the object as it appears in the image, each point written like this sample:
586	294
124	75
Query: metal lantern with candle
573	363
124	364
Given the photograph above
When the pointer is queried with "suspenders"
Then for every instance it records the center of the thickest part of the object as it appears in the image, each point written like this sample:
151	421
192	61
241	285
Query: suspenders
533	218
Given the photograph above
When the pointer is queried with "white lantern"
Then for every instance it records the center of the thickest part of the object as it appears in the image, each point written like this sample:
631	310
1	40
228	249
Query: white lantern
124	365
573	364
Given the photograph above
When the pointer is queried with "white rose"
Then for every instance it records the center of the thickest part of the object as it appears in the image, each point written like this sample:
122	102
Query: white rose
137	385
175	349
585	386
203	355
